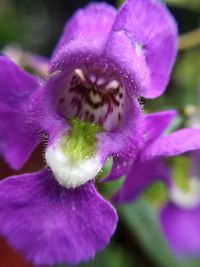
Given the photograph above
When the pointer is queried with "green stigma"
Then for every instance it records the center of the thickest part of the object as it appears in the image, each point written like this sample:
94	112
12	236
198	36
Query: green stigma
81	140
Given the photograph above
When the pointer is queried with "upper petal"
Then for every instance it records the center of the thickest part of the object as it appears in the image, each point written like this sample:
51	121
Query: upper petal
49	224
181	228
139	42
148	40
84	35
17	133
130	63
174	144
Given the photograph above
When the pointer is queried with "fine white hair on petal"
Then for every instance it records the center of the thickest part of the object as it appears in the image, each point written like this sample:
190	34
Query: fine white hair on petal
68	173
186	199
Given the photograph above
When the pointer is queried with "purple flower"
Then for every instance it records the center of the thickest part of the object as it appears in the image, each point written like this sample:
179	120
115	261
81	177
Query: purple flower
87	110
156	148
181	215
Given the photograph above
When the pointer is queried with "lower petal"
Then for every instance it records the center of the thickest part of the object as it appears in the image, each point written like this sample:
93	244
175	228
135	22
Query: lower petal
49	224
182	229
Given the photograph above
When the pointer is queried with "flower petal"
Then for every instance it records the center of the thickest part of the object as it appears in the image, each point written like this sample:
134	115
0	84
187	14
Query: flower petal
16	85
174	144
182	229
125	142
148	33
17	134
194	163
140	176
154	125
129	63
157	123
84	35
49	224
120	167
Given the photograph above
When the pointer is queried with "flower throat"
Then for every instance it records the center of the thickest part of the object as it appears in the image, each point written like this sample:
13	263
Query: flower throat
93	97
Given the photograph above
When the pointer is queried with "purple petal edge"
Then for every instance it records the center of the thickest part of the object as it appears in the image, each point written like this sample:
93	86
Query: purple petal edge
17	134
49	224
181	227
174	144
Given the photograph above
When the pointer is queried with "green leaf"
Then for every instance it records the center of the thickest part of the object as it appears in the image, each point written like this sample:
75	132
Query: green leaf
119	2
112	256
188	4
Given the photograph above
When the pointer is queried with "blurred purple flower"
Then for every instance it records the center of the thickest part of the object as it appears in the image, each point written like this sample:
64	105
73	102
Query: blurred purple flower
103	62
180	216
35	64
150	157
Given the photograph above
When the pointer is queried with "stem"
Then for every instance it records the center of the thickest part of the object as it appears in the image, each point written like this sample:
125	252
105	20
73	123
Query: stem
191	4
189	40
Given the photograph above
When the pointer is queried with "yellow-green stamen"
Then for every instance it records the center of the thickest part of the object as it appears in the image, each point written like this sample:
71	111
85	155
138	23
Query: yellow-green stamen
81	139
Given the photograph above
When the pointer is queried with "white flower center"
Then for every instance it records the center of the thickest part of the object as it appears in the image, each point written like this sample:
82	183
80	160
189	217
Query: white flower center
68	174
73	158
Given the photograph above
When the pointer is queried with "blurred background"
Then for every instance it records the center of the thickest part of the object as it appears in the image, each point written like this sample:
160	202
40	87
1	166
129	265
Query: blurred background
36	26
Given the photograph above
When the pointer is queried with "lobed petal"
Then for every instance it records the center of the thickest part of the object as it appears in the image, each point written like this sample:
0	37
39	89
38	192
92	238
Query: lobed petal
138	42
129	62
50	224
85	35
17	133
174	144
181	228
151	32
